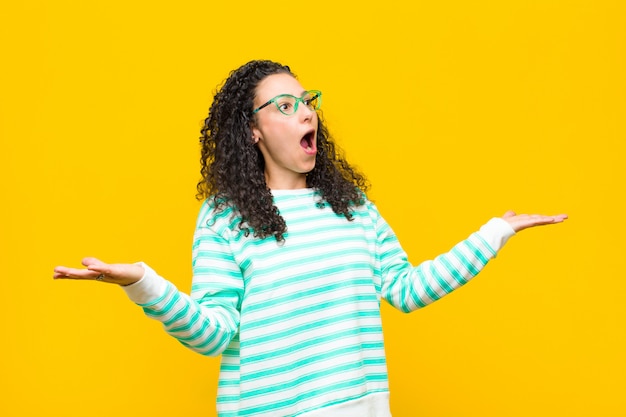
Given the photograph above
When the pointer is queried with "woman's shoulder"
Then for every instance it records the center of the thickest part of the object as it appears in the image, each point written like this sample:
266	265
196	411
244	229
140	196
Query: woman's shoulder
217	213
367	210
365	204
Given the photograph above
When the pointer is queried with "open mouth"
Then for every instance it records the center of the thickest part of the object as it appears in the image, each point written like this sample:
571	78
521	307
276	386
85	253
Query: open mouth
308	142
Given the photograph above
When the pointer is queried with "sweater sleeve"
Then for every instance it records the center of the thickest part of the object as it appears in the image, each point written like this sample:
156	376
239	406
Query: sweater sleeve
409	287
207	320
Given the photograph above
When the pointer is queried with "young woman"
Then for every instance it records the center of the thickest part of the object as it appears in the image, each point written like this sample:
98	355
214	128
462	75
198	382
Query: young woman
291	261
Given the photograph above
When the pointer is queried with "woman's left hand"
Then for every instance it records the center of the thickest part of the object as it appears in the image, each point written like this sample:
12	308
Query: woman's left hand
524	221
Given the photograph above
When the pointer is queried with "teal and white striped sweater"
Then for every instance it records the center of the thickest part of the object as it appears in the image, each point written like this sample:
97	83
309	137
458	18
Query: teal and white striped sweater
298	324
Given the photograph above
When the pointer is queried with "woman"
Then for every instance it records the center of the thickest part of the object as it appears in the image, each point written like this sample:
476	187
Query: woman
290	260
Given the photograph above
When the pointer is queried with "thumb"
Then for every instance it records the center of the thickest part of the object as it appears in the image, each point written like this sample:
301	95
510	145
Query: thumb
90	261
508	214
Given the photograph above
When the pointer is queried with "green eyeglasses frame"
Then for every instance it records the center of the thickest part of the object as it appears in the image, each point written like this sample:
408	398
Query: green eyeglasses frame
312	99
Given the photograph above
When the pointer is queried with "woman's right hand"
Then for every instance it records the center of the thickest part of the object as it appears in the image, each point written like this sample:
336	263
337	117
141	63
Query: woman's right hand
96	270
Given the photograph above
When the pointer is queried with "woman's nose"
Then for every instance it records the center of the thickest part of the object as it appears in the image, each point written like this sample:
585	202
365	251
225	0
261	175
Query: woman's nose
305	112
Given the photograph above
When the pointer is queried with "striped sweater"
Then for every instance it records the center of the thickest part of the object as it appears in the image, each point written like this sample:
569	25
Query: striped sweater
298	323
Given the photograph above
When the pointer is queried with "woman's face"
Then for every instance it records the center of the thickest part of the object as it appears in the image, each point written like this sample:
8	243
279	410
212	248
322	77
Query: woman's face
288	143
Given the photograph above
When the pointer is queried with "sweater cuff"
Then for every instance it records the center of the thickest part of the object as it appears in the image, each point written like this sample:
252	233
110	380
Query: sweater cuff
150	287
496	233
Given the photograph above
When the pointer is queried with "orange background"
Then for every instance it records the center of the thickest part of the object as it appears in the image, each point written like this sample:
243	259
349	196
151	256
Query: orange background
456	110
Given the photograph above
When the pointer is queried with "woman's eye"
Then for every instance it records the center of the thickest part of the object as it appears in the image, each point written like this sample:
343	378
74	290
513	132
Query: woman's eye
284	106
311	101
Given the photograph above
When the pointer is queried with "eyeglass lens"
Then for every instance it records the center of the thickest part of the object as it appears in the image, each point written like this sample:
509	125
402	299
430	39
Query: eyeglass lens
287	104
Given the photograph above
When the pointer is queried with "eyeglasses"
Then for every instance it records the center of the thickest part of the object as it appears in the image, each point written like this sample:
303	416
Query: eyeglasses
288	104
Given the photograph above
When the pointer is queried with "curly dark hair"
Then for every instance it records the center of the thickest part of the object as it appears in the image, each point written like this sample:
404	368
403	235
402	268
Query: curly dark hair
232	166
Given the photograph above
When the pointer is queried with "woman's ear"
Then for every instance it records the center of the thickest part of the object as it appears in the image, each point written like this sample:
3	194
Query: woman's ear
256	134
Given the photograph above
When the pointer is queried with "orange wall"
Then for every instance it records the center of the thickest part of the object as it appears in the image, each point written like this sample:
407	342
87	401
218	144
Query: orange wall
457	111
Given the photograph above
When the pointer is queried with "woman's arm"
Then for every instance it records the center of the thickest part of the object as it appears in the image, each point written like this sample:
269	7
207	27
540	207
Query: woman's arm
409	287
205	322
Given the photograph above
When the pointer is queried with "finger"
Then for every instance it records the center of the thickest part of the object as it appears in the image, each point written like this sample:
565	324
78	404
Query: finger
89	261
548	219
509	213
61	272
111	270
100	270
538	220
77	278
